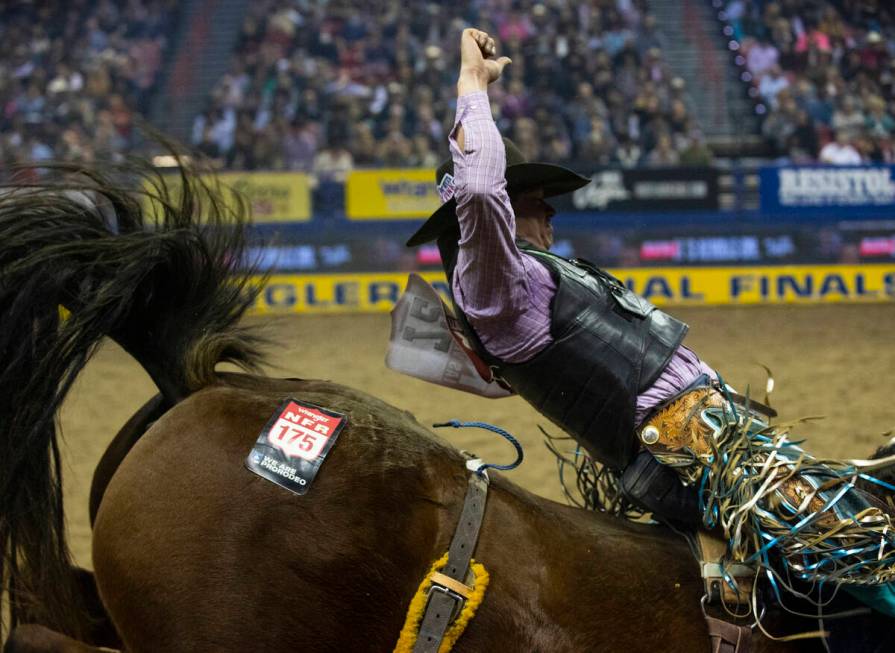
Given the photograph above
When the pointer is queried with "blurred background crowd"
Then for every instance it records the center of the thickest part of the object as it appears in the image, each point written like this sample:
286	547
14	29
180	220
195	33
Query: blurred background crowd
75	75
826	72
325	86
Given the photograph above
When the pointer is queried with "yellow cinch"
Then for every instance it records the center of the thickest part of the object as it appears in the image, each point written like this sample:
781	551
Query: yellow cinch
407	638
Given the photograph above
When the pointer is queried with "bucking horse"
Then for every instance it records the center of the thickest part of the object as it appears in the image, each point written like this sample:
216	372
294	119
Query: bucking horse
195	551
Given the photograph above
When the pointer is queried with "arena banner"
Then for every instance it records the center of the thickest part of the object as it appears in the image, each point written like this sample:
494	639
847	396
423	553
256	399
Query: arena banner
644	189
800	188
378	292
273	196
391	193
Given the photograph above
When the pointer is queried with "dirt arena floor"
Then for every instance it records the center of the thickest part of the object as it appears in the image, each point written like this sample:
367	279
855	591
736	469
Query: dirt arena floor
834	360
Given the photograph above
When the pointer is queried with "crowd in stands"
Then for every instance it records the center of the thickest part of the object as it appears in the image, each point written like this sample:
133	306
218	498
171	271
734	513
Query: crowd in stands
825	70
326	86
75	74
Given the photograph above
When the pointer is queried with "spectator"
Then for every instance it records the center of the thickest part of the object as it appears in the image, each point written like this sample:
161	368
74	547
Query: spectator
678	119
780	125
819	109
208	148
649	36
875	53
515	103
599	148
663	154
840	152
395	150
761	57
813	39
696	152
772	82
873	150
803	141
242	156
333	162
300	145
527	139
848	119
363	146
422	155
878	123
629	153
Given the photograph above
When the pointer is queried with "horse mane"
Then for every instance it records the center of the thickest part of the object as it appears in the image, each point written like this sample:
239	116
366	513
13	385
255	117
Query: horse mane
885	474
157	266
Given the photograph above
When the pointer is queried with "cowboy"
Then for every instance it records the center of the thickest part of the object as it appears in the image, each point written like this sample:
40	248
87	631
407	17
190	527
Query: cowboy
570	339
610	369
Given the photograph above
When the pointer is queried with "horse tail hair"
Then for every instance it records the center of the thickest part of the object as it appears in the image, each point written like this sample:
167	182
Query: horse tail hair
158	266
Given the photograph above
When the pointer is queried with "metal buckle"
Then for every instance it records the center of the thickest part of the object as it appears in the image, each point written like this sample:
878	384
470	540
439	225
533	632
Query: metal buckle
459	601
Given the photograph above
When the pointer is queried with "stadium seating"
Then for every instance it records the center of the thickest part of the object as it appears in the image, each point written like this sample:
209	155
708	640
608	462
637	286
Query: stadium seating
322	87
75	75
822	73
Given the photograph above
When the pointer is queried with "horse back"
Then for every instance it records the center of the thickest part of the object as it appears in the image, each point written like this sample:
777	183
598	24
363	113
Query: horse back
212	546
193	551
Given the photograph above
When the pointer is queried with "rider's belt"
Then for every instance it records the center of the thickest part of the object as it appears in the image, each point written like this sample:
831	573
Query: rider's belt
453	589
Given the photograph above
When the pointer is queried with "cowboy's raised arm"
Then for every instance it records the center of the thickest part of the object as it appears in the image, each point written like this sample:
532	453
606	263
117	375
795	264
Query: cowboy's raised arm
489	281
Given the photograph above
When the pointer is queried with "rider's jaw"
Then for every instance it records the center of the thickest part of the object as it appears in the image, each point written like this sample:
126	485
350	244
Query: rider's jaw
533	218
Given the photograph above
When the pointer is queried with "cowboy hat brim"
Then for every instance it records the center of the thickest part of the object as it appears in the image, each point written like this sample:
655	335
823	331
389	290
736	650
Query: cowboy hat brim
554	179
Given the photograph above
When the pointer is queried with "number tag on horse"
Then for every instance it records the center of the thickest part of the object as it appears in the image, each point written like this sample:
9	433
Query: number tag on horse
294	443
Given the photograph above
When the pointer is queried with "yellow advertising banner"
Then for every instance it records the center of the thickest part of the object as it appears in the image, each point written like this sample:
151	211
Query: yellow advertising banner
273	196
388	194
347	293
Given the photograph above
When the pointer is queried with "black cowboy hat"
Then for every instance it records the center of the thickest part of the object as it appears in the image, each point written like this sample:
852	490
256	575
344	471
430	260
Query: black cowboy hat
520	175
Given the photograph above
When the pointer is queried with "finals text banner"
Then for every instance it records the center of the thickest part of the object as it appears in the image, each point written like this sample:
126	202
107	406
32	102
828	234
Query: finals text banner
273	197
391	193
348	293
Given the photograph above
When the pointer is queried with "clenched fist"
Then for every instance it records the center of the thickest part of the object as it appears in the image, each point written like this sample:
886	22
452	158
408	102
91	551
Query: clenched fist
477	67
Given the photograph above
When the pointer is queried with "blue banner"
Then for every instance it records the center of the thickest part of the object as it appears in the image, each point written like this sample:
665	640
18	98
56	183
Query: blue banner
807	189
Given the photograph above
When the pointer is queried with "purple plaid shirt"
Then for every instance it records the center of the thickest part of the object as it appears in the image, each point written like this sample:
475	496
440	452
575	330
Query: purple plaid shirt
505	294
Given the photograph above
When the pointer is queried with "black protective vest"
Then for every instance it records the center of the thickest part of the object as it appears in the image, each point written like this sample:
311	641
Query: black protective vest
609	344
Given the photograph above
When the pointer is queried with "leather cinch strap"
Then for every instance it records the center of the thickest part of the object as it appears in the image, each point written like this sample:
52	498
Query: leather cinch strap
728	638
711	552
445	601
